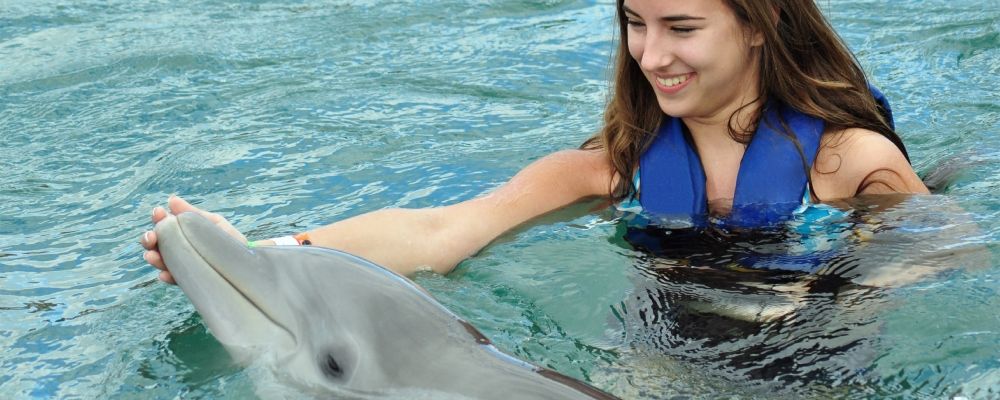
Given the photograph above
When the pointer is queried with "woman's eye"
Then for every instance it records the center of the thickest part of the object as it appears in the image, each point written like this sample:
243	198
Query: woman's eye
633	23
682	29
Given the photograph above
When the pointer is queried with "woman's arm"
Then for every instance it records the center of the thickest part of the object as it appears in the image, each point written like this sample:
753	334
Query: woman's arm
857	161
439	238
406	240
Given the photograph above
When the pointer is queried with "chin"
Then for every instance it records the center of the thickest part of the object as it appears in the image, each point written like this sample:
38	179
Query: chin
674	109
679	105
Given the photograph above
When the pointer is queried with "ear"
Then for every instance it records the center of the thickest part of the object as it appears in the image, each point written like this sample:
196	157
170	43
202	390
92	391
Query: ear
757	37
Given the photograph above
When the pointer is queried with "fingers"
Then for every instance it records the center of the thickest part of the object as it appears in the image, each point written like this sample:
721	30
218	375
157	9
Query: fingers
158	214
154	258
148	240
178	205
166	277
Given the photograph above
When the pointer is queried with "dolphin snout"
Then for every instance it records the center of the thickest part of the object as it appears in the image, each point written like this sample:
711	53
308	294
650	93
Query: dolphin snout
227	283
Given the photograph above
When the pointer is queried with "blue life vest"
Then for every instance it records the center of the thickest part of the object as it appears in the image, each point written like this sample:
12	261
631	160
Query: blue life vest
772	179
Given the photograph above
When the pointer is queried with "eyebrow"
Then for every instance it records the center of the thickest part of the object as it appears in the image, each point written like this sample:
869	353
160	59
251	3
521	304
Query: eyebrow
668	18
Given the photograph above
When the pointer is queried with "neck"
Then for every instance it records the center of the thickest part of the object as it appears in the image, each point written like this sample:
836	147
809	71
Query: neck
713	132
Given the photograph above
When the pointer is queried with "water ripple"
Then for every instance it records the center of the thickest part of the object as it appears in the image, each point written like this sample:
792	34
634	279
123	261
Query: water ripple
285	116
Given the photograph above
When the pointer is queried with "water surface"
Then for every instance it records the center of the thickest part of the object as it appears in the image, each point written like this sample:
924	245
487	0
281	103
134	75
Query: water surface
288	115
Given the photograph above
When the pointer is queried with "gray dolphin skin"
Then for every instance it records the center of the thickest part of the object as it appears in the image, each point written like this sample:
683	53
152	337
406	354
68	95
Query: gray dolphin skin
334	323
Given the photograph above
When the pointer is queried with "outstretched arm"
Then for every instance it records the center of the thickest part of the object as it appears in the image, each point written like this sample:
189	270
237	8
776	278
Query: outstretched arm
407	240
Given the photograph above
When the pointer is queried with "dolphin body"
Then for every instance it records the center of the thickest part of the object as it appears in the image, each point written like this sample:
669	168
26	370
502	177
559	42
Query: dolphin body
337	324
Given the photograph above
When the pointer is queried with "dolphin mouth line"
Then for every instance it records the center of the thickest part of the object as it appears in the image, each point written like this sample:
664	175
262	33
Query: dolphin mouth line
236	287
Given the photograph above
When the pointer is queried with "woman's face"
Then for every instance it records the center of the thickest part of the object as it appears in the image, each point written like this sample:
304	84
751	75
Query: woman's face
694	54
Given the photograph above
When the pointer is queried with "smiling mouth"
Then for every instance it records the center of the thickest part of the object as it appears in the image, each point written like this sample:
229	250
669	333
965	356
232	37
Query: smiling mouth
673	81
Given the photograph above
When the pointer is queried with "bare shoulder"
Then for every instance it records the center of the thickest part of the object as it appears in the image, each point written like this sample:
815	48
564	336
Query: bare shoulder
859	161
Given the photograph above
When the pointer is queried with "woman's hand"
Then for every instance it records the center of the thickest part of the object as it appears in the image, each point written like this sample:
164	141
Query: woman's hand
177	205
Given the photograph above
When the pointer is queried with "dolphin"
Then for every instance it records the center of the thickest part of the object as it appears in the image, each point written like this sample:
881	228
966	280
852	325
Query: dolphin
334	323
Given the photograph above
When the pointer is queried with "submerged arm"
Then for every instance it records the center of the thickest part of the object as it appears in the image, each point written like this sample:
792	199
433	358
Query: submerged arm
858	162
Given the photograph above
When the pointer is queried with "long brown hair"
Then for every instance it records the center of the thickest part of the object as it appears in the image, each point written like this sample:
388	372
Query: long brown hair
803	64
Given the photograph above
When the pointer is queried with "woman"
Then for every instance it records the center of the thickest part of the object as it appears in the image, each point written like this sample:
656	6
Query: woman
700	81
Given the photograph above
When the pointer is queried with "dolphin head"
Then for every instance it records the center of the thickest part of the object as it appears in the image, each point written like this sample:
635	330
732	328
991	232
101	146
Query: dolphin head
332	321
311	310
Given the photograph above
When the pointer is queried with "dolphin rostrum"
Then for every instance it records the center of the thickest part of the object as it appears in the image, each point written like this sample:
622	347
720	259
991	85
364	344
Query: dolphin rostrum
335	323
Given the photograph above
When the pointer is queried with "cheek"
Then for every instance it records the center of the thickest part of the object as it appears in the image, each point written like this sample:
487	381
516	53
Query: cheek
702	51
704	56
635	47
733	63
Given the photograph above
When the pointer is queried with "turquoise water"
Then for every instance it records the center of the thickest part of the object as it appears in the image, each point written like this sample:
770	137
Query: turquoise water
288	115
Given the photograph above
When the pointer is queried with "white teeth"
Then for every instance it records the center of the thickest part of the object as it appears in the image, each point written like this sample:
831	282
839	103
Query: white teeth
669	82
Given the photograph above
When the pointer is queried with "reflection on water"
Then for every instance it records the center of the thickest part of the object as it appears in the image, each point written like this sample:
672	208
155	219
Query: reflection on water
754	306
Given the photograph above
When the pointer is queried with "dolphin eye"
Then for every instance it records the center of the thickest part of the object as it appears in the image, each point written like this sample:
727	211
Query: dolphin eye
330	367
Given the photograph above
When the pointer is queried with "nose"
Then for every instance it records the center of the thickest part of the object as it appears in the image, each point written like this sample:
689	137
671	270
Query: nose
657	52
